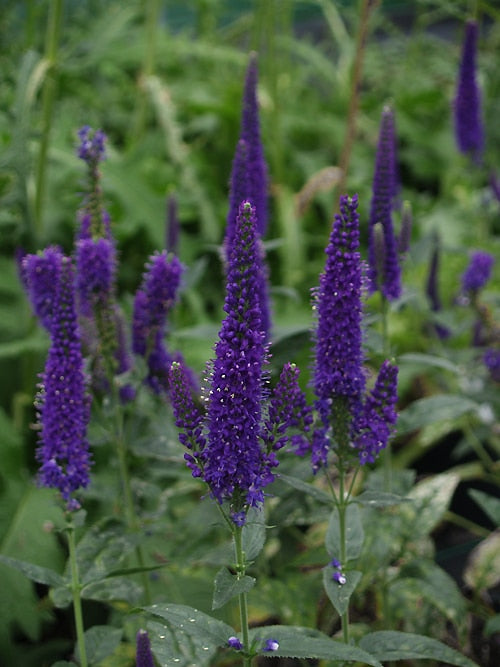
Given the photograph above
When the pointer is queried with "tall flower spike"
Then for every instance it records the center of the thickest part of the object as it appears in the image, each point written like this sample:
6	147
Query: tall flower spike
467	107
236	468
94	219
153	301
40	275
250	133
387	281
144	657
238	190
63	403
478	271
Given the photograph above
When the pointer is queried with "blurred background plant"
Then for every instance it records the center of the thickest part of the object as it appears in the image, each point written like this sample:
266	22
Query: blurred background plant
164	80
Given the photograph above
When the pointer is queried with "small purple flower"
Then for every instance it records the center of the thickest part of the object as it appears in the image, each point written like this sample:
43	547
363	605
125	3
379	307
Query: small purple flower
153	301
92	146
144	657
63	403
388	277
41	274
250	133
478	271
271	645
339	578
336	563
467	107
491	360
234	642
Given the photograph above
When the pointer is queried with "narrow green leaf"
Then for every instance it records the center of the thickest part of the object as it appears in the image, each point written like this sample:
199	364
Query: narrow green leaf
354	533
253	534
100	641
379	499
340	594
429	360
42	575
489	504
391	645
227	586
298	642
199	625
311	490
433	409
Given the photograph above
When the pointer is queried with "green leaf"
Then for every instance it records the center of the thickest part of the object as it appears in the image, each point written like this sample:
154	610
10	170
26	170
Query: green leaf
354	533
298	642
379	499
340	594
100	641
253	534
432	409
391	645
173	646
63	663
227	586
483	569
427	360
197	624
311	490
492	625
116	589
42	575
489	504
431	498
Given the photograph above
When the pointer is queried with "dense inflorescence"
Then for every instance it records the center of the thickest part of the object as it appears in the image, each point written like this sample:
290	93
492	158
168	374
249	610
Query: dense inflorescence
478	272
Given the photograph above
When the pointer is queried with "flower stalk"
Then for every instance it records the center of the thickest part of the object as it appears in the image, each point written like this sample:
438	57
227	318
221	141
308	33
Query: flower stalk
76	588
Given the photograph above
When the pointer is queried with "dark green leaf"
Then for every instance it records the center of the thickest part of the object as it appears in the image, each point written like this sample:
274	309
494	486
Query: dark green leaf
311	490
489	504
340	594
390	645
433	409
42	575
253	534
227	586
116	589
100	641
173	646
197	624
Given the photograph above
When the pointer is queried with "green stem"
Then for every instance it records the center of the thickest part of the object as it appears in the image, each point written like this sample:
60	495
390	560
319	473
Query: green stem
242	598
342	507
76	588
48	98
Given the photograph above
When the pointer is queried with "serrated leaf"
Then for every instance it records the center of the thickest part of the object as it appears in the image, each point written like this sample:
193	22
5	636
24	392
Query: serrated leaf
489	504
340	594
354	534
379	499
195	623
171	645
392	645
253	534
227	586
100	641
298	642
42	575
432	409
310	489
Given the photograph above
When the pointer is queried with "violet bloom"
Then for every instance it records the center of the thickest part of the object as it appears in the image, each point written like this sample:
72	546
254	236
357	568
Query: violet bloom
478	271
234	642
491	360
388	277
144	657
238	190
94	219
271	645
347	415
63	403
233	446
153	301
96	269
250	134
467	107
40	275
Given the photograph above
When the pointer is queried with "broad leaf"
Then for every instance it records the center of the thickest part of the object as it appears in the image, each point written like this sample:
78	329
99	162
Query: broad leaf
311	490
489	504
115	589
173	646
42	575
379	499
227	586
298	642
354	534
432	409
431	498
253	534
391	645
340	594
100	641
197	624
483	569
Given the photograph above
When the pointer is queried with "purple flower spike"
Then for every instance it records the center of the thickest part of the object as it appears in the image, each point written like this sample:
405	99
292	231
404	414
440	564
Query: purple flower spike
491	360
41	274
250	133
92	146
96	267
63	403
144	657
378	417
238	190
468	124
338	371
388	280
478	272
236	468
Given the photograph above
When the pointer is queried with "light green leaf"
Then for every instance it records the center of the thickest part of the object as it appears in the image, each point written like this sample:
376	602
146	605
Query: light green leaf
390	645
197	624
298	642
227	586
253	534
427	360
489	504
431	498
483	569
100	641
433	409
340	594
310	489
173	646
379	499
354	533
